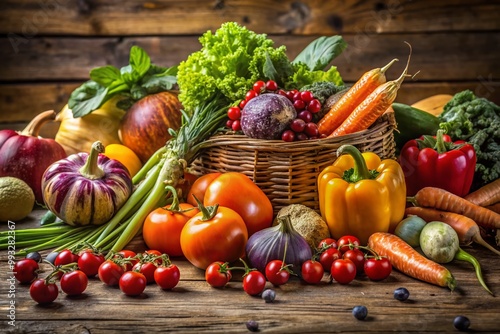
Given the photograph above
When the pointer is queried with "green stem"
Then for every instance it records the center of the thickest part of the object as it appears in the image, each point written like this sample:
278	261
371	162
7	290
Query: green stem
112	235
174	207
440	145
464	256
91	169
361	171
152	162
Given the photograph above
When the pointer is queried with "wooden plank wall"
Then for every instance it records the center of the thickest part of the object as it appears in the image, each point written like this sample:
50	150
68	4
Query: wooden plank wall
47	47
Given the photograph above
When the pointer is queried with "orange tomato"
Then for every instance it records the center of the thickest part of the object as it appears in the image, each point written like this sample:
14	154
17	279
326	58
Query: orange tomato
162	228
125	155
236	191
199	187
220	238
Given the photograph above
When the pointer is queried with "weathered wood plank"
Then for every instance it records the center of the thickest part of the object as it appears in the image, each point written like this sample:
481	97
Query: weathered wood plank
438	57
26	18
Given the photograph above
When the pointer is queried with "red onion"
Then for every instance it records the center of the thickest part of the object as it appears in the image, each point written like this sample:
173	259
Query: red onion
269	244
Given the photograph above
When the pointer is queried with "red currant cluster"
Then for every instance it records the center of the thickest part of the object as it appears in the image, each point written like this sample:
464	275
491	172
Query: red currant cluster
305	104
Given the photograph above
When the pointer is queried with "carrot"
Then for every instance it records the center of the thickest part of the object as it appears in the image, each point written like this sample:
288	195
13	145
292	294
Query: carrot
375	104
437	198
466	228
486	195
406	259
494	207
352	98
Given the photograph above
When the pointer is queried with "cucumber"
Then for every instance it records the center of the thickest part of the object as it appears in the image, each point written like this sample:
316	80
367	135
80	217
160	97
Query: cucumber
412	123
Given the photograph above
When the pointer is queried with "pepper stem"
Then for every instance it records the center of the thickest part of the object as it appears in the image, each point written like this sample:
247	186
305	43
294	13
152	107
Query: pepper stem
440	144
360	171
91	169
33	127
464	256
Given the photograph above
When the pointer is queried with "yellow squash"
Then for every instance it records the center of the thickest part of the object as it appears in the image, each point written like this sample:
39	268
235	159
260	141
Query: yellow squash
360	194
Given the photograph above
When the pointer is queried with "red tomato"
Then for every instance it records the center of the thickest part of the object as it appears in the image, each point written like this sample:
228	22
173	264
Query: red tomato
276	274
344	242
25	270
254	283
377	269
201	240
328	257
110	272
312	271
217	274
127	254
132	283
43	292
89	263
162	228
343	271
199	188
236	191
328	242
147	269
65	257
357	257
167	277
73	283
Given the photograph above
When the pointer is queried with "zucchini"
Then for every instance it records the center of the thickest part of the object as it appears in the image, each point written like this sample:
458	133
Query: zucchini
412	123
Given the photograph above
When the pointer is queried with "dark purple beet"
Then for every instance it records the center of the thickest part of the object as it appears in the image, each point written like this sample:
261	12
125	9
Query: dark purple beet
267	116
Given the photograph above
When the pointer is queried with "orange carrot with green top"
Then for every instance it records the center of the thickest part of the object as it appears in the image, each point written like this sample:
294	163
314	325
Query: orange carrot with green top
407	260
486	195
466	228
437	198
352	98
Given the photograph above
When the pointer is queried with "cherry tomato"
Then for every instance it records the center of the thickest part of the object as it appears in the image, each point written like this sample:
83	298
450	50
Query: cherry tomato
201	240
250	95
276	274
132	283
288	136
314	106
162	228
357	257
154	252
26	270
254	283
271	85
242	104
238	192
299	105
236	126
74	282
167	277
312	271
259	86
147	269
305	115
377	269
343	271
229	123
344	241
43	292
306	96
66	256
217	274
110	272
328	242
89	262
127	254
234	113
199	188
328	257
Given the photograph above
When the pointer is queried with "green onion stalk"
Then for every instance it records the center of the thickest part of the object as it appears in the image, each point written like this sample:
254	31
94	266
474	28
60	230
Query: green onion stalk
152	185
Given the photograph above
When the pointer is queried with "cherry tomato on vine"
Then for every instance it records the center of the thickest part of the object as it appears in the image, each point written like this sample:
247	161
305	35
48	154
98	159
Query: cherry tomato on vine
312	271
89	262
254	283
328	242
217	274
110	272
132	283
66	256
377	269
167	277
328	257
276	274
43	292
344	242
357	257
74	283
343	271
26	270
147	269
124	254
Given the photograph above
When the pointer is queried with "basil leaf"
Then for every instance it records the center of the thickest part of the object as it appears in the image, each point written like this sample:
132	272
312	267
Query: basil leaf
87	98
139	60
128	75
320	52
137	92
154	84
105	75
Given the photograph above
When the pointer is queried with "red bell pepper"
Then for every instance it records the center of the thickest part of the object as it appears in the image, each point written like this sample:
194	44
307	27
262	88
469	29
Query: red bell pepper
438	162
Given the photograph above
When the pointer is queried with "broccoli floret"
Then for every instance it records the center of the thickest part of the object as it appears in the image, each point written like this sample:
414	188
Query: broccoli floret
322	90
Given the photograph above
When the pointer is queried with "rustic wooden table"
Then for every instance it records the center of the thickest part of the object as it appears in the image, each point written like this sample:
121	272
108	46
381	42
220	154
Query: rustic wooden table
193	306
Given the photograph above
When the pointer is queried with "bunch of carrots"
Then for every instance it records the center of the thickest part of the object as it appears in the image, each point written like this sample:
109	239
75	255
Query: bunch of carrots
363	103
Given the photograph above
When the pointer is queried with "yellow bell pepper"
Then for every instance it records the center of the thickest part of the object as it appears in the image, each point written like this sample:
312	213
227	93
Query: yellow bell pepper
359	194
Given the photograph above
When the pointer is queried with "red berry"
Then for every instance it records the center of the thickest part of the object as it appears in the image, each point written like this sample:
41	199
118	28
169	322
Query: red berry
250	95
302	136
234	113
306	96
305	115
283	93
314	106
242	104
271	85
229	123
299	105
259	86
297	97
236	126
289	94
311	129
288	135
298	125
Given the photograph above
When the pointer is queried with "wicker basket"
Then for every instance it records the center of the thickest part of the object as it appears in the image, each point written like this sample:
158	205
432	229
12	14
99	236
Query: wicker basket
287	171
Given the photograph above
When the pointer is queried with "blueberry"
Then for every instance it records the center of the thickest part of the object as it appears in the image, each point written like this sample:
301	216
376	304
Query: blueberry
51	257
35	256
461	323
252	325
360	312
401	294
269	295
